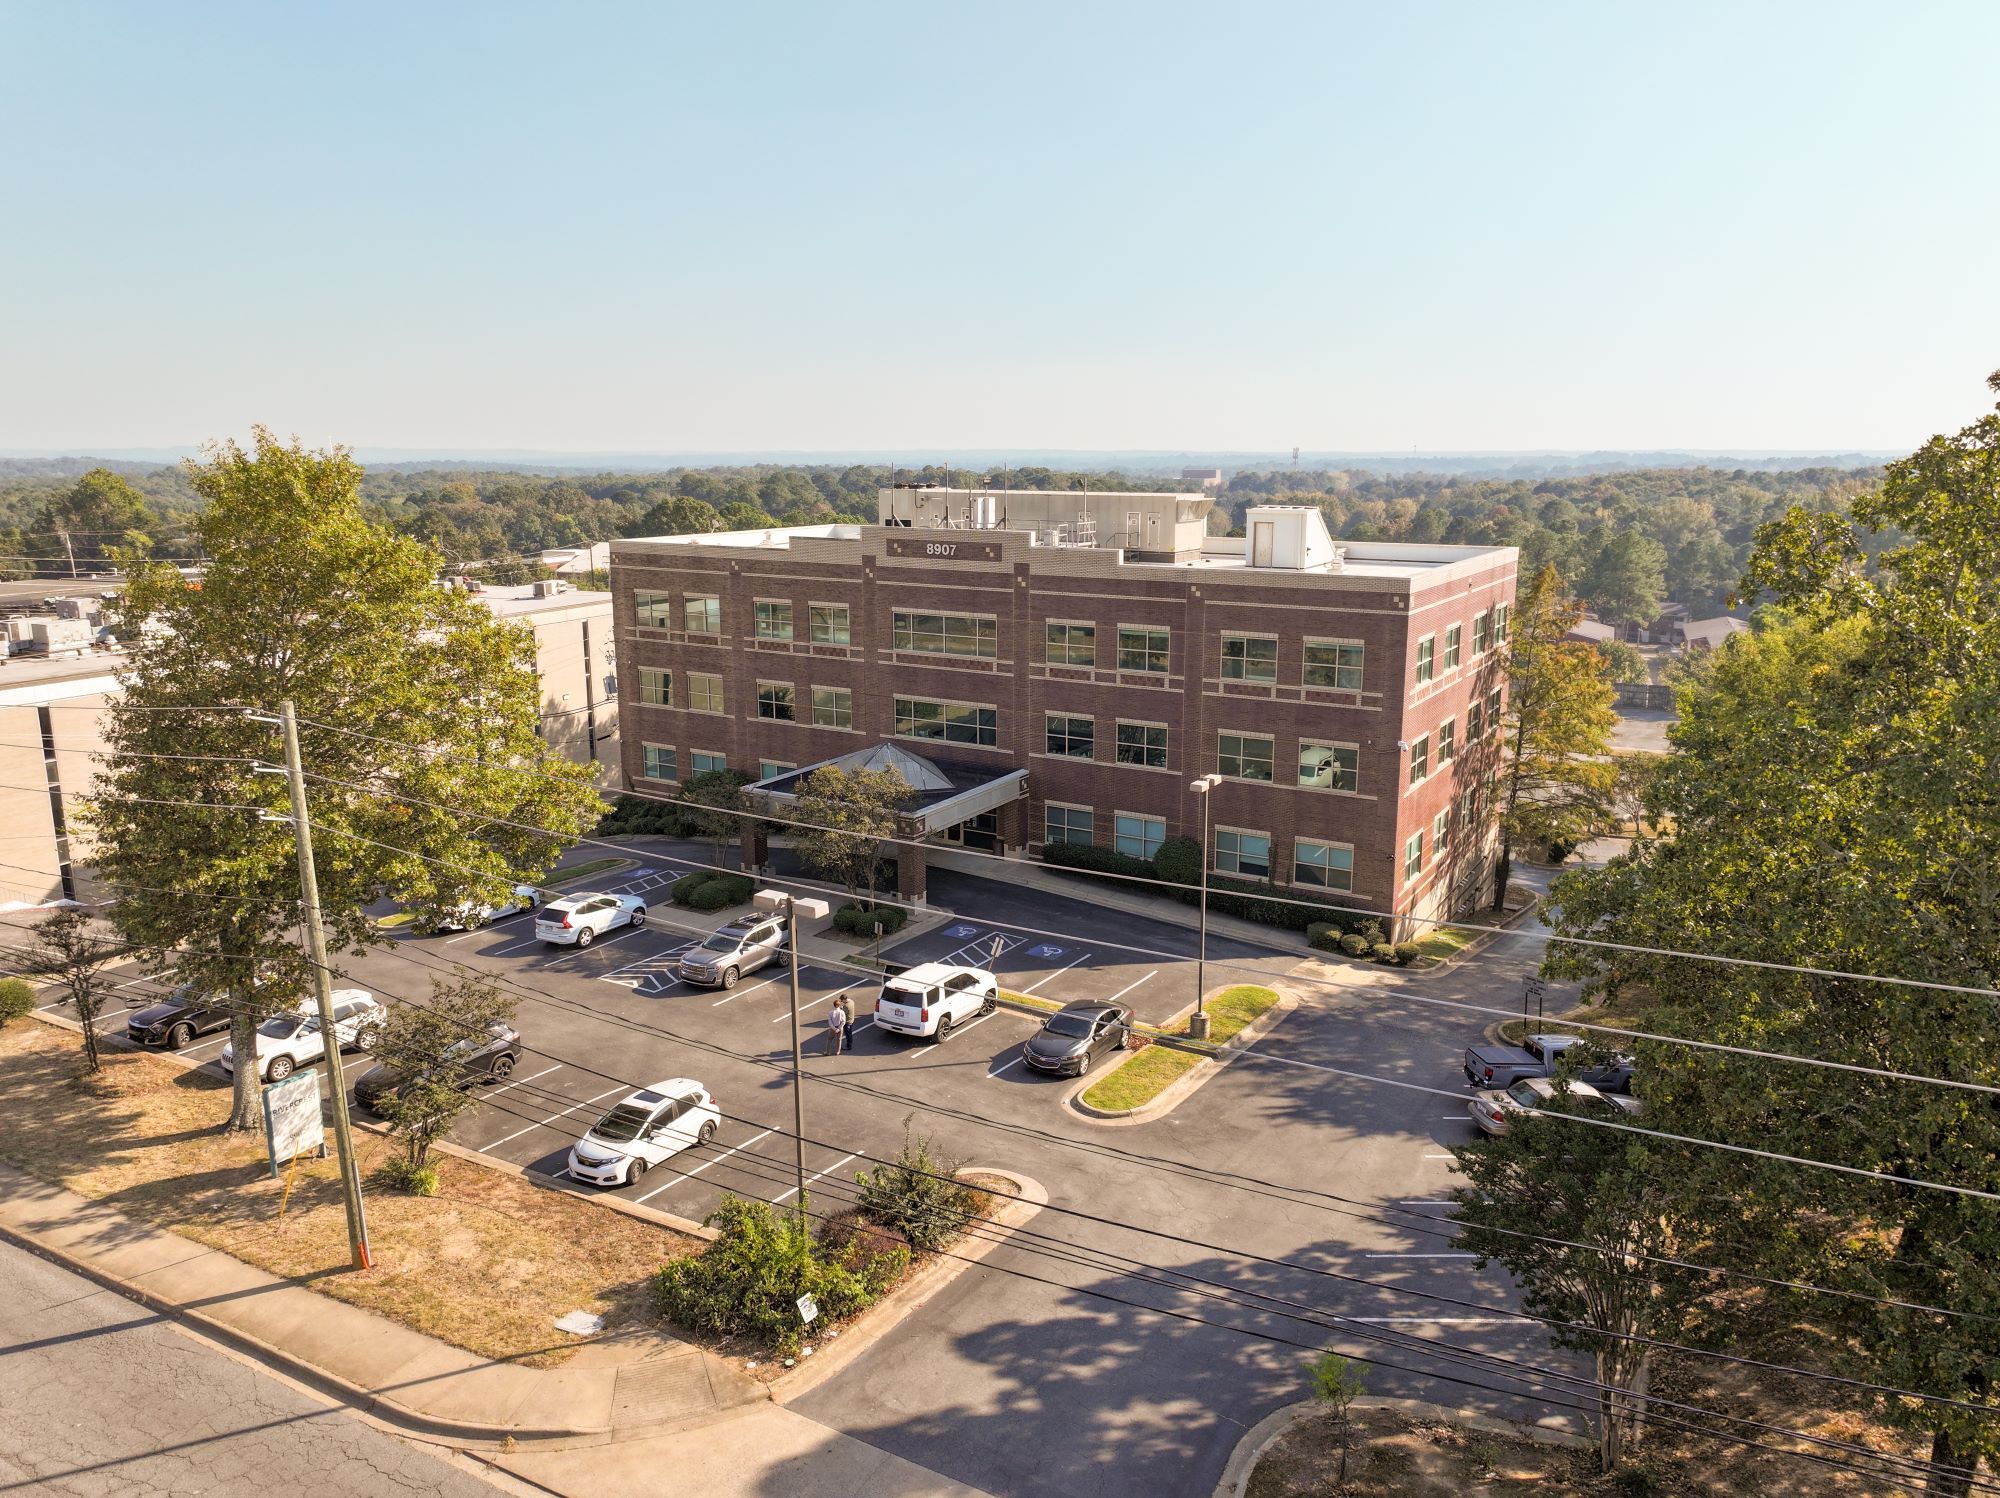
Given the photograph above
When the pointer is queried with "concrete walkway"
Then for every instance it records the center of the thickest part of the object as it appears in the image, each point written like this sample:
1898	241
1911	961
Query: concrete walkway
611	1388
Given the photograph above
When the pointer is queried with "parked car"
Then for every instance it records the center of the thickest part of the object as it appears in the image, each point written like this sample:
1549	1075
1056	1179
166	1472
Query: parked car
933	997
177	1019
287	1042
1494	1110
470	915
653	1124
1537	1056
476	1059
1071	1039
733	949
578	920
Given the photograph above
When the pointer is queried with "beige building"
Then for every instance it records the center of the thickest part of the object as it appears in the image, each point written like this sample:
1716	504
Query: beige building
52	721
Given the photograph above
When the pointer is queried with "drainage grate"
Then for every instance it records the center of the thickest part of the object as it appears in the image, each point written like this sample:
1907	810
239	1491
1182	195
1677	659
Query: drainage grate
667	1389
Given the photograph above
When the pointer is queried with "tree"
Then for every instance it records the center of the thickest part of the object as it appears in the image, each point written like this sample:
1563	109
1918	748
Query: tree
1337	1382
1627	578
1573	1212
73	950
714	802
1557	781
1831	805
679	515
843	816
418	709
1622	662
102	513
424	1047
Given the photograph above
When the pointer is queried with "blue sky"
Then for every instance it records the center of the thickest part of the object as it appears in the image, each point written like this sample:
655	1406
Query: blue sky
1350	227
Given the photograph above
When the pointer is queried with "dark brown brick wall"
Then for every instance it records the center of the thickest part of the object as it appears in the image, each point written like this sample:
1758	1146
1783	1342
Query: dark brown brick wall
1197	605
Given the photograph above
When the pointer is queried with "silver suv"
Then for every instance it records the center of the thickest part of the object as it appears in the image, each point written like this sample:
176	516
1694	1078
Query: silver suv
733	949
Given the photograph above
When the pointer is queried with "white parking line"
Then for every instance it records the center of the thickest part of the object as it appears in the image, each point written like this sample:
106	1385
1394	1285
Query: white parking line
690	1174
549	1120
794	1191
129	982
1420	1256
778	1019
222	1039
519	1080
1440	1157
1130	986
1001	1070
452	941
1425	1204
730	998
1436	1320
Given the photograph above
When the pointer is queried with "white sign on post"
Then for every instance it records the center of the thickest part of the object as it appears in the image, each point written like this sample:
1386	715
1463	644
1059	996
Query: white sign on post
292	1122
808	1309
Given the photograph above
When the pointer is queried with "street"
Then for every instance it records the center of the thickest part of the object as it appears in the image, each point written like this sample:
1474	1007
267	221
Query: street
99	1396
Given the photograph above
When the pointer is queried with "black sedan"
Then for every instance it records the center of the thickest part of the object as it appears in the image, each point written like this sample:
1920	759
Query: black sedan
177	1019
472	1061
1071	1039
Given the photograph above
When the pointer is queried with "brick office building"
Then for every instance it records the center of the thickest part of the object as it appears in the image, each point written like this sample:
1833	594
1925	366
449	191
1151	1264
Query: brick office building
1063	665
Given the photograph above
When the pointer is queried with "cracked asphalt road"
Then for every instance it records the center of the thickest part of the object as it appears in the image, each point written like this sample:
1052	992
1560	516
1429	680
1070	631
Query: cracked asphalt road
100	1397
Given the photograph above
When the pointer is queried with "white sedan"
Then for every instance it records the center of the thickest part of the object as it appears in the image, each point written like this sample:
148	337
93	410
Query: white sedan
652	1125
286	1042
578	920
471	915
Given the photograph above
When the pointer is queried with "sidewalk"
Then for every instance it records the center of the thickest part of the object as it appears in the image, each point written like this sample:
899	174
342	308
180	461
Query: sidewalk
610	1389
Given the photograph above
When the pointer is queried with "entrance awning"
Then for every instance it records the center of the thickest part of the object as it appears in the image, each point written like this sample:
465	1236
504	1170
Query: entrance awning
944	792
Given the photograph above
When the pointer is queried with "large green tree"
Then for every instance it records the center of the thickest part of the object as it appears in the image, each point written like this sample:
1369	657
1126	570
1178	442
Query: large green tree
1556	782
1834	803
418	712
843	817
99	514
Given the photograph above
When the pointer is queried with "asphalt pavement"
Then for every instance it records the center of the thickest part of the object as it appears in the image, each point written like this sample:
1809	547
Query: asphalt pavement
99	1396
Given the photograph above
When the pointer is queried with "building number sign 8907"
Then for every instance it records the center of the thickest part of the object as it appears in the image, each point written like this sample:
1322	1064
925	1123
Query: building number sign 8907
944	551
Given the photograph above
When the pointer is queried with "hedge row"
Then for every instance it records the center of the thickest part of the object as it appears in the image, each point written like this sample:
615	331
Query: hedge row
708	890
1367	942
858	919
1178	864
632	816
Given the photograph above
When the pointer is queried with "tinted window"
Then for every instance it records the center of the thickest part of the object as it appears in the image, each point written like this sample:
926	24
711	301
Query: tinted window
622	1124
1524	1093
720	942
284	1027
1072	1026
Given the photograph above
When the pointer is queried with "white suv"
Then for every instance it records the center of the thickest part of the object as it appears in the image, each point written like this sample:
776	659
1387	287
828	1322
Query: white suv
653	1124
287	1042
578	920
932	997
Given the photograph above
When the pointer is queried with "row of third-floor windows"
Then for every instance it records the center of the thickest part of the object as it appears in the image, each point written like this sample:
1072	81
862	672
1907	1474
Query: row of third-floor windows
1489	629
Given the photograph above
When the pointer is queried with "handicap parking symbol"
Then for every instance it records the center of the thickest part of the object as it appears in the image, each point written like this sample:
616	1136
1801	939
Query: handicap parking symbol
963	932
1045	951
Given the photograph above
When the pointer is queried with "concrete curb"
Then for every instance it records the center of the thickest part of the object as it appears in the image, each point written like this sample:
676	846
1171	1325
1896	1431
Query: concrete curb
1190	1082
1264	1434
893	1309
1486	939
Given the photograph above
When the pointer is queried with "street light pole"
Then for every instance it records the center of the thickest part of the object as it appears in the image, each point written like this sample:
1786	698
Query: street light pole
777	899
1198	1023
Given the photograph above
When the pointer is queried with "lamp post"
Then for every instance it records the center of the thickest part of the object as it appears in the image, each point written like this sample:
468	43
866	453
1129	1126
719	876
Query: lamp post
791	905
1198	1022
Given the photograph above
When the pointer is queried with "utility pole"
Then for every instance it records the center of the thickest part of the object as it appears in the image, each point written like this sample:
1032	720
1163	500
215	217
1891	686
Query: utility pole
69	548
776	900
343	1132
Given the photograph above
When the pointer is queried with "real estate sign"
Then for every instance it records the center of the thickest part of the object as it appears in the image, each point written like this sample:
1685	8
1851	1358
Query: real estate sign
292	1122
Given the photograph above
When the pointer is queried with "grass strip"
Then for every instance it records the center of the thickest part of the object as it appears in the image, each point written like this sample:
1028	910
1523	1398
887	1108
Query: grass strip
1140	1078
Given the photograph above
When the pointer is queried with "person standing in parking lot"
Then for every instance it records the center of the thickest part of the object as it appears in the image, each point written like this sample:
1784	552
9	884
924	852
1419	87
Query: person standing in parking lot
836	1026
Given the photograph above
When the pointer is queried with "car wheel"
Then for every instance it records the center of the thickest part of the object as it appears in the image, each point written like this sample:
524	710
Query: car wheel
731	977
473	920
503	1066
943	1028
280	1068
707	1135
989	1006
179	1036
366	1036
1124	1037
639	916
585	936
638	1169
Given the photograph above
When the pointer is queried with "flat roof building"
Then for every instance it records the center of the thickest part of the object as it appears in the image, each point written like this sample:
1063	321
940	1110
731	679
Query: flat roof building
1068	662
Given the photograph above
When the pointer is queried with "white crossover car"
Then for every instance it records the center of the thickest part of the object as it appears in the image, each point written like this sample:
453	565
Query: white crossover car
578	920
932	997
286	1042
652	1125
471	915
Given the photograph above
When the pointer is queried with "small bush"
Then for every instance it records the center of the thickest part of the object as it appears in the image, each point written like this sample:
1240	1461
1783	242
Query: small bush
1324	936
17	997
879	1255
1354	944
687	884
749	1280
920	1196
721	890
1407	952
398	1174
1178	861
858	919
1382	952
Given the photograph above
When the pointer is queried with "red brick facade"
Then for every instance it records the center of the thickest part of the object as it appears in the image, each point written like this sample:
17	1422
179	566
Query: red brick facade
1386	607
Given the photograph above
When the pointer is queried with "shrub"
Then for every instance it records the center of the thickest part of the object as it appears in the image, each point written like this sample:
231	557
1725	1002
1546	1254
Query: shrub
685	886
1323	935
877	1254
1178	861
1092	859
1382	952
1406	953
920	1195
749	1280
17	997
398	1174
858	919
721	890
1354	944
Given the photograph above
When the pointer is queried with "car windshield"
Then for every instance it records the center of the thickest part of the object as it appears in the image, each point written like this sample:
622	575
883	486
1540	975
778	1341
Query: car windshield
622	1124
721	941
284	1027
1523	1092
1074	1026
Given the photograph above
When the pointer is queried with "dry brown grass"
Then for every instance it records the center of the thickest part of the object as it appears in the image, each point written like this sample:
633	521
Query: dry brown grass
488	1264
